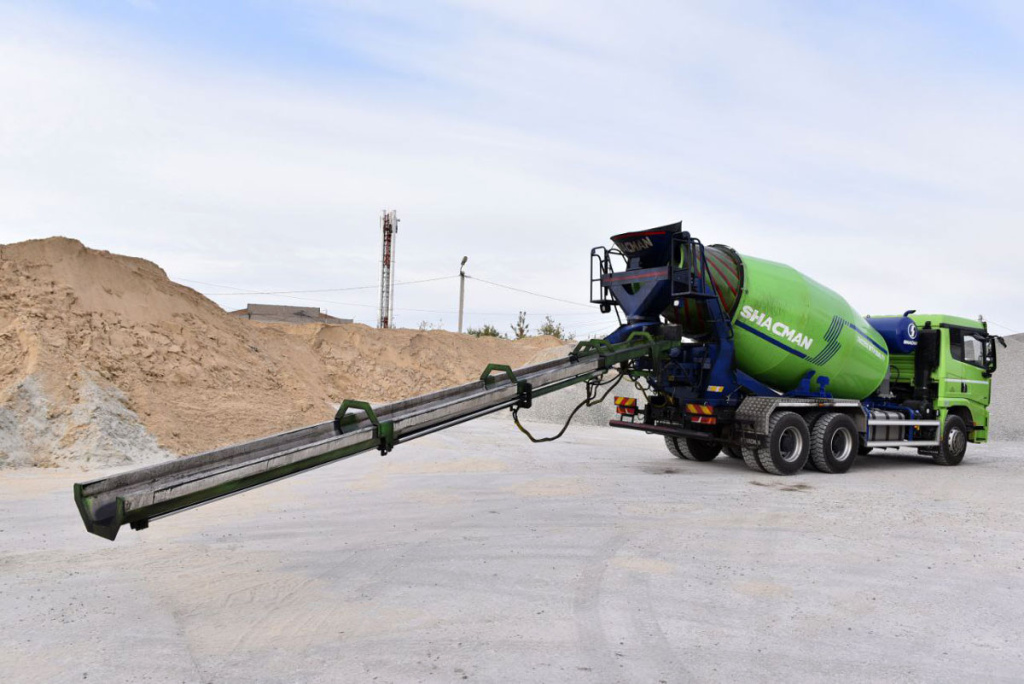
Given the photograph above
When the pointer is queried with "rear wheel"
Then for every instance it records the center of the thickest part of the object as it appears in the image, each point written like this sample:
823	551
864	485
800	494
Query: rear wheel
732	451
692	449
954	442
834	443
751	459
788	445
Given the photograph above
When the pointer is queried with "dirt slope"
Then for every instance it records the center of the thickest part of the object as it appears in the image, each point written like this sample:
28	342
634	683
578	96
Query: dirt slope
104	360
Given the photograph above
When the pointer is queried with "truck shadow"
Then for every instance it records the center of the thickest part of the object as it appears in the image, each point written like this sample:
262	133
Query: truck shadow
896	459
881	461
667	468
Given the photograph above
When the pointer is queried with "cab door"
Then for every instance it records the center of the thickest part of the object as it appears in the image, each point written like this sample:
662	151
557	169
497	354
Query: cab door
978	387
966	374
956	388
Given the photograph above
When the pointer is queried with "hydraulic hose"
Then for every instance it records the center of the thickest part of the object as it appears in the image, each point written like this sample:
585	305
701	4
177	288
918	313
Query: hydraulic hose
592	389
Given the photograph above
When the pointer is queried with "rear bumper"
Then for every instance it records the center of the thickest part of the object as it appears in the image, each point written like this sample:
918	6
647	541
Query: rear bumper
665	430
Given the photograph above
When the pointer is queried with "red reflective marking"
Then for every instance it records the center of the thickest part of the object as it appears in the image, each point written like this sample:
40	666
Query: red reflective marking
616	238
638	276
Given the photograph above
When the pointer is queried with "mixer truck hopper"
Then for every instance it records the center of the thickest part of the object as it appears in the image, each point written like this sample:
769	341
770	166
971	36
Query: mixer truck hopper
734	355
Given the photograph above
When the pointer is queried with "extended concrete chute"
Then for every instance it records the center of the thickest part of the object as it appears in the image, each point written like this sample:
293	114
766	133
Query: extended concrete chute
139	496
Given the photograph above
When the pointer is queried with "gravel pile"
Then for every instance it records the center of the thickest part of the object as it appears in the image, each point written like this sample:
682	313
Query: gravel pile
1006	413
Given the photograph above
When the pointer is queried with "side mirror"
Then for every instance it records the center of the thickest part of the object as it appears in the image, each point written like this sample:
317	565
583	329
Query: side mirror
990	355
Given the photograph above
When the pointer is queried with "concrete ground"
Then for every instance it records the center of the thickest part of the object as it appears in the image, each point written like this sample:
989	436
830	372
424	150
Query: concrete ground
474	555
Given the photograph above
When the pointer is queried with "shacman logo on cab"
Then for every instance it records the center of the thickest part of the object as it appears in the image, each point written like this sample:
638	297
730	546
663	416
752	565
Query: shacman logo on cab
778	328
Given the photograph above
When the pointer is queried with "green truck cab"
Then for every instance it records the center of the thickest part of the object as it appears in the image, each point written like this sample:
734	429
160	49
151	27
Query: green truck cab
951	371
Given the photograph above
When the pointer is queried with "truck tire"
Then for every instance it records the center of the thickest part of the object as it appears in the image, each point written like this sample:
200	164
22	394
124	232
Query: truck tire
751	459
692	449
732	451
788	446
954	442
834	443
811	422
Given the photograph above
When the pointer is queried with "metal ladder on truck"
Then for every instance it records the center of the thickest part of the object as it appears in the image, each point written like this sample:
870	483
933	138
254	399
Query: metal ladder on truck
139	496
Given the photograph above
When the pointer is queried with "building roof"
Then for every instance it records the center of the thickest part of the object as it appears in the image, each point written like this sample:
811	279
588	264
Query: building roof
276	313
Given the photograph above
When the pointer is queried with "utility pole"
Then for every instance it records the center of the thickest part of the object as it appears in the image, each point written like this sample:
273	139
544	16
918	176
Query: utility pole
389	230
462	289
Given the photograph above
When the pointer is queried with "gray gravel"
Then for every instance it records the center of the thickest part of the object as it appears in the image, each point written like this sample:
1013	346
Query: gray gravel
96	430
1007	410
473	555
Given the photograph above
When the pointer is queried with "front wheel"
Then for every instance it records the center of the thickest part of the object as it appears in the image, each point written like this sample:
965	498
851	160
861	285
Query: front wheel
692	449
954	442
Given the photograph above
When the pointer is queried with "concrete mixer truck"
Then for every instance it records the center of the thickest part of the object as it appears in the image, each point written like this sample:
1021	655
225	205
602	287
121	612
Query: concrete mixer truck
731	354
781	371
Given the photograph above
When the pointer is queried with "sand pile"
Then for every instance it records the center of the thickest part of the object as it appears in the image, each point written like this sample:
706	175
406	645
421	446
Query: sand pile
103	360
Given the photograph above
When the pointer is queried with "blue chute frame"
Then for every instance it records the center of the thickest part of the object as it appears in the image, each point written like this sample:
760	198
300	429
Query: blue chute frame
705	370
666	266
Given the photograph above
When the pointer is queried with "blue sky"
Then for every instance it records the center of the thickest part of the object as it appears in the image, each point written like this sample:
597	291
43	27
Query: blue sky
251	145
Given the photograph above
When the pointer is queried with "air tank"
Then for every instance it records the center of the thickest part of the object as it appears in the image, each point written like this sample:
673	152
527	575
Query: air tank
899	332
786	324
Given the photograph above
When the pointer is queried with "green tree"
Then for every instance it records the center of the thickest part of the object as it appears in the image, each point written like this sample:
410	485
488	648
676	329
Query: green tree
427	325
549	327
487	330
521	328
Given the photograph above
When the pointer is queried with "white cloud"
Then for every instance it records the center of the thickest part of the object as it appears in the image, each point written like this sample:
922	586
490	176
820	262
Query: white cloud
522	137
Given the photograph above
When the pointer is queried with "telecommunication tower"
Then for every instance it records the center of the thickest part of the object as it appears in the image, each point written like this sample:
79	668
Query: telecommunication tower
389	229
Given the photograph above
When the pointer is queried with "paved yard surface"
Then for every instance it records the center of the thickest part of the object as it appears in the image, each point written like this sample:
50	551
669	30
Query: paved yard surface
474	555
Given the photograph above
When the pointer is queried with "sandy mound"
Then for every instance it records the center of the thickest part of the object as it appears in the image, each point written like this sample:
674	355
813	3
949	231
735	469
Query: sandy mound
103	357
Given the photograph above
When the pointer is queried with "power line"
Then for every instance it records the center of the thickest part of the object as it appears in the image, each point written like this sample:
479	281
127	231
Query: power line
200	282
333	289
289	294
331	301
535	294
241	291
433	311
1012	331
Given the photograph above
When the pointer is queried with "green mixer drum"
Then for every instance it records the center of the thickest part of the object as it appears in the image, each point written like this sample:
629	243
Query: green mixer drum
786	324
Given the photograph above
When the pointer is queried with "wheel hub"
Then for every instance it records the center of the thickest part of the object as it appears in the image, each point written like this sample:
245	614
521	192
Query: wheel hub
956	441
791	444
841	444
